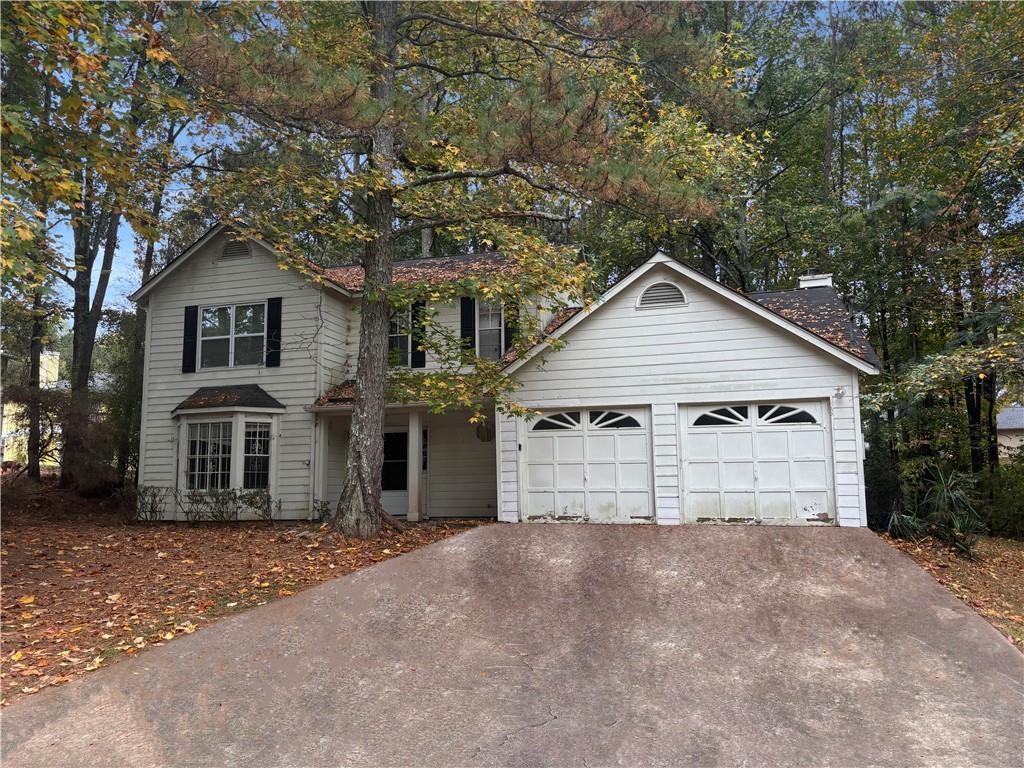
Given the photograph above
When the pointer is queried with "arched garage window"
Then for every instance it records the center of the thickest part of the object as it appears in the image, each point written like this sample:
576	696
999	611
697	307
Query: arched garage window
730	415
613	420
554	421
783	414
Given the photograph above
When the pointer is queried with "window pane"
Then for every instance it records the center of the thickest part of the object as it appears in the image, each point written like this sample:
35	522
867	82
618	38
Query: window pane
490	344
398	350
216	321
214	353
256	474
490	315
248	350
249	318
394	476
208	464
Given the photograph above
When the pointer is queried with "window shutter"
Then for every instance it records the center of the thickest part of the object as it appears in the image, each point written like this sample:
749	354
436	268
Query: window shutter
468	307
511	316
418	357
189	338
273	333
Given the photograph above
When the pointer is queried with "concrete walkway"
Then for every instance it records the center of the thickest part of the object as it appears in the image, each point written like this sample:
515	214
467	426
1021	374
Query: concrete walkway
567	645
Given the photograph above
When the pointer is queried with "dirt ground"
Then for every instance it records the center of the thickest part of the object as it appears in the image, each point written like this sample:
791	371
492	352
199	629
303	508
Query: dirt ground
992	584
81	588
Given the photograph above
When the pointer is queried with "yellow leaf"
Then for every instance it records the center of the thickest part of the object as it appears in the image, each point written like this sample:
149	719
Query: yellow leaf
17	656
27	599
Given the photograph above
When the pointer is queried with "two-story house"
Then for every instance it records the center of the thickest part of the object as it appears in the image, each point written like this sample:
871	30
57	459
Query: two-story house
673	398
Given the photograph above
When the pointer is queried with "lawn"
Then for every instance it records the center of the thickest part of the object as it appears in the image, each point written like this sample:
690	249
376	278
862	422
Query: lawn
82	589
992	584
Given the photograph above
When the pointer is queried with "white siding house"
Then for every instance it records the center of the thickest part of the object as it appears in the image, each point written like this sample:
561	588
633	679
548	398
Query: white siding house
671	399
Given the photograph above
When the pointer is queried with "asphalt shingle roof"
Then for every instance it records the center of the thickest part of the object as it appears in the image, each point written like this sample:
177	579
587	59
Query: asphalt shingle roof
440	269
231	396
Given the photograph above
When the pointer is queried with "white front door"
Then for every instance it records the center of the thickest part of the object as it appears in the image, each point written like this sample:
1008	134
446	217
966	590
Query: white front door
589	466
757	461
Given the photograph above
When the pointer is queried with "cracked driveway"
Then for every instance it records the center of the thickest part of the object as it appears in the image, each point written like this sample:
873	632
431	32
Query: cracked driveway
567	645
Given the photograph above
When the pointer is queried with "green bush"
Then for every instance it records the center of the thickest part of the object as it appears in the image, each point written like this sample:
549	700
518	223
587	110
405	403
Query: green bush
951	515
1004	510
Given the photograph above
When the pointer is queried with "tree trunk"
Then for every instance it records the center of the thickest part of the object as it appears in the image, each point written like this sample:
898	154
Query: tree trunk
35	356
359	511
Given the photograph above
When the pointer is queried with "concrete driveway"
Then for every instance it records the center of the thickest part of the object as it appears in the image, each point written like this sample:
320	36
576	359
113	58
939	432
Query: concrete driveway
567	645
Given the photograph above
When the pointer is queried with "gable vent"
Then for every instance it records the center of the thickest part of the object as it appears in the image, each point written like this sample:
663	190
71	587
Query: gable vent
235	249
661	295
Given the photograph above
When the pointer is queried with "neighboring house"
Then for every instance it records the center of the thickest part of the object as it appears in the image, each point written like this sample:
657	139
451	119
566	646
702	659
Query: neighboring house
13	425
674	399
1010	432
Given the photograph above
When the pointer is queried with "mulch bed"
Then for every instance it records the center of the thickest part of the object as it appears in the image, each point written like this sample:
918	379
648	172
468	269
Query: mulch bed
82	588
992	584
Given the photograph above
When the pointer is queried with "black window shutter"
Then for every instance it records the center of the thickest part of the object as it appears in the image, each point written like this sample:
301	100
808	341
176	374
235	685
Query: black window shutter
468	306
273	333
511	323
418	357
189	339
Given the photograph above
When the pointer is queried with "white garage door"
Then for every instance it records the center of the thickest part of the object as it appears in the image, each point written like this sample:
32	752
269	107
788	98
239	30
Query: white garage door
589	466
757	461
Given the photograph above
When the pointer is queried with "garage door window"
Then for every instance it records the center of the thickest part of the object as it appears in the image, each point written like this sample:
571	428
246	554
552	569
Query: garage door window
613	420
556	421
783	414
733	414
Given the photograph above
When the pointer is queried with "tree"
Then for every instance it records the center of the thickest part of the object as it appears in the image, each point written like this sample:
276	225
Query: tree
476	122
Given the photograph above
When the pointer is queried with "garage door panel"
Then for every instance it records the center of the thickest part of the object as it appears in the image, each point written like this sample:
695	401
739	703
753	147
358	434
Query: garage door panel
569	447
773	475
542	448
634	477
541	504
604	507
601	447
633	447
704	476
704	505
569	476
772	445
635	504
737	475
776	505
807	443
809	475
810	504
540	476
738	504
736	445
570	504
601	476
703	446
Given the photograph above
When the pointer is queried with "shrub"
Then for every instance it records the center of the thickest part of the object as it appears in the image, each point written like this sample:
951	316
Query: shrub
260	504
1004	512
951	513
146	503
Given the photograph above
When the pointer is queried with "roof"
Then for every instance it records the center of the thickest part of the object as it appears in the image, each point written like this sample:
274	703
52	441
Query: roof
821	311
1010	418
232	396
440	269
339	394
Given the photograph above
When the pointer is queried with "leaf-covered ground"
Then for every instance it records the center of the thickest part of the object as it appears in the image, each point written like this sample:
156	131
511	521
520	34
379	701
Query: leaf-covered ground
81	589
992	584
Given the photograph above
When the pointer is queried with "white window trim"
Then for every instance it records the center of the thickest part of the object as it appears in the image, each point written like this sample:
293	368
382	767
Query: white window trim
230	337
237	419
407	363
501	327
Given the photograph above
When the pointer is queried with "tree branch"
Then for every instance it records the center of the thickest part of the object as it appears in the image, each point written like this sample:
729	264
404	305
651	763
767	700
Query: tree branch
434	223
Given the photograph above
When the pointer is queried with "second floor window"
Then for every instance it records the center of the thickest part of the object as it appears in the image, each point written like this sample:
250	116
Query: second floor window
233	335
399	346
490	329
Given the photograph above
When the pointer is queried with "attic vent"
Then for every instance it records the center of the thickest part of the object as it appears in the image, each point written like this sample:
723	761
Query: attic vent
235	249
661	295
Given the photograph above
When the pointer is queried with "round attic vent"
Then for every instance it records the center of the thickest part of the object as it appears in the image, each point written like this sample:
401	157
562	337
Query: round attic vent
235	249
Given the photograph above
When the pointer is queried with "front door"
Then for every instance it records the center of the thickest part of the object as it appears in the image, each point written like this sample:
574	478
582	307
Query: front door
394	479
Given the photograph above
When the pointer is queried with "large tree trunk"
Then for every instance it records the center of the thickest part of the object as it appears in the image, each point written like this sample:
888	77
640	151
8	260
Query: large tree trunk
359	511
34	410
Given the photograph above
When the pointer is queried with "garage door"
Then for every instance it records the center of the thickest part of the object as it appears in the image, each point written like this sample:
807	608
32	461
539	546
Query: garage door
589	466
757	461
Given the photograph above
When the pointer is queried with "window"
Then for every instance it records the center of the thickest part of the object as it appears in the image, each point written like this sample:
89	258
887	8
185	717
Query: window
208	465
233	335
730	415
395	470
256	456
399	345
783	414
233	452
567	420
612	420
661	295
490	330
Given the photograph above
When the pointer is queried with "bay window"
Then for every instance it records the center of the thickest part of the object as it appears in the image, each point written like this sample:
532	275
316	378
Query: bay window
233	451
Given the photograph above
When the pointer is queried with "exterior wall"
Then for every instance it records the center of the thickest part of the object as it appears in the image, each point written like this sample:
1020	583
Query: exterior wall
708	351
461	471
206	279
1011	442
